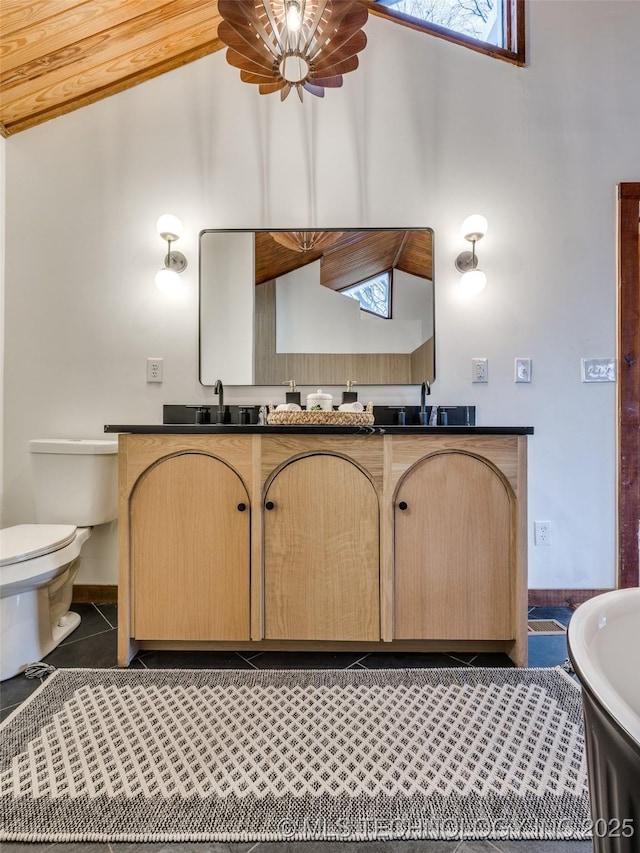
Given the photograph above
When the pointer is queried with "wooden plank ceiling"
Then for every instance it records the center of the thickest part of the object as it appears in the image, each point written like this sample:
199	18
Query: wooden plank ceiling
59	55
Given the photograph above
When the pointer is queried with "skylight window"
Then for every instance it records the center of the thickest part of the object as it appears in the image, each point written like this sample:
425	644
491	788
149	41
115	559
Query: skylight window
373	294
494	27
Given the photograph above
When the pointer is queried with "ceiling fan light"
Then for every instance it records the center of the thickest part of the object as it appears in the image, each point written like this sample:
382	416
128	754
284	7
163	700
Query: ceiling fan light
279	45
294	16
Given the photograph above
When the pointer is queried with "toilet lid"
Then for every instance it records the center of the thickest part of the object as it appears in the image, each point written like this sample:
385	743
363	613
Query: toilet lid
27	541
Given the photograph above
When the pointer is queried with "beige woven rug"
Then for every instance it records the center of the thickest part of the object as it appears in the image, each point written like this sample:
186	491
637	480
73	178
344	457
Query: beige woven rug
227	755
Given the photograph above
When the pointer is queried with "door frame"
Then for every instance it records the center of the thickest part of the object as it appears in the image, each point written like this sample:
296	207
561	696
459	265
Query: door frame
628	383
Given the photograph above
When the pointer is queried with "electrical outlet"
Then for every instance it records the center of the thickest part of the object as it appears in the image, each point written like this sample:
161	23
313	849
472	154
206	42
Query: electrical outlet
523	370
479	369
154	370
542	532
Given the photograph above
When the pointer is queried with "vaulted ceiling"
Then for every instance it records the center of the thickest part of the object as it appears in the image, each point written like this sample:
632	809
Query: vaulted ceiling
59	55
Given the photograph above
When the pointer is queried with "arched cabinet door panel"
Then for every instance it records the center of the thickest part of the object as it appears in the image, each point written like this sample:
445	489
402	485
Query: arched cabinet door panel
454	551
190	551
321	552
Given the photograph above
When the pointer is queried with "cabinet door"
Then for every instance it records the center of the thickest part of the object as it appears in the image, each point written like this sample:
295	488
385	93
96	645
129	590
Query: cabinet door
321	547
454	551
190	545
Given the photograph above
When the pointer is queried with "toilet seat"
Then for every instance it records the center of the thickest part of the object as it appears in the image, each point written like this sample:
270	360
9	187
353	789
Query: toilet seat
29	541
26	574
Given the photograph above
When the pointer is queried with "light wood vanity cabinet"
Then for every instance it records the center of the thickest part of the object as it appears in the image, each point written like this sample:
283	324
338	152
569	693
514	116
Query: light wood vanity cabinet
190	548
321	552
406	542
453	560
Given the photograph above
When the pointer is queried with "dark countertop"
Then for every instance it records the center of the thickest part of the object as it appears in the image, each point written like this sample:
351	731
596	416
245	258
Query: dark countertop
320	429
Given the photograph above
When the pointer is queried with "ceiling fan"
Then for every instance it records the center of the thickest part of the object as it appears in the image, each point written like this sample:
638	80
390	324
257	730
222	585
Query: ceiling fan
281	45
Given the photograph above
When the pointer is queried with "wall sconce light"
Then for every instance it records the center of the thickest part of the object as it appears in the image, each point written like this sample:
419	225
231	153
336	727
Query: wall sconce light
473	280
168	278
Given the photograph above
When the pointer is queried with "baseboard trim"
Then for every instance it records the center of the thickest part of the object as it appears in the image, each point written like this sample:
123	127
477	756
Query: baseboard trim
108	594
95	593
561	597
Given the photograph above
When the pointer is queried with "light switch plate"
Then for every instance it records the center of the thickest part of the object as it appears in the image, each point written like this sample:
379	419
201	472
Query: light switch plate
523	370
598	370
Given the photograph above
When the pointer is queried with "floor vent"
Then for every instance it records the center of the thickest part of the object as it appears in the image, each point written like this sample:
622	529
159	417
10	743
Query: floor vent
546	626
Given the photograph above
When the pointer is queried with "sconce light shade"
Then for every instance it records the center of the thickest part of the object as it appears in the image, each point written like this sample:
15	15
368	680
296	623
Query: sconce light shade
473	282
169	227
474	227
168	279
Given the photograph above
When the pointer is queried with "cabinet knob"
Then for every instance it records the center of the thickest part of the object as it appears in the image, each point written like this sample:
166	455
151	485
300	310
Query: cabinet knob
403	505
269	505
242	507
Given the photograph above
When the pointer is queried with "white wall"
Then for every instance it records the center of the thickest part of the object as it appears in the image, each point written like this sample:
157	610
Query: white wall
424	133
3	175
314	318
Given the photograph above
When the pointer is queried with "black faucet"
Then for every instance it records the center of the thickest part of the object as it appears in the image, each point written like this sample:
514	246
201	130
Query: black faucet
219	390
425	390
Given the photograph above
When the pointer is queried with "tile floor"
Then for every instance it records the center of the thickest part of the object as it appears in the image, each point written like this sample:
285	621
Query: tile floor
93	644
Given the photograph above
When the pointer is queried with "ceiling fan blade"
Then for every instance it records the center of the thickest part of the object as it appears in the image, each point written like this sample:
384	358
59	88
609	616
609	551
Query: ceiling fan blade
327	82
244	64
343	20
245	15
263	79
349	64
354	44
285	91
246	46
238	12
314	88
269	88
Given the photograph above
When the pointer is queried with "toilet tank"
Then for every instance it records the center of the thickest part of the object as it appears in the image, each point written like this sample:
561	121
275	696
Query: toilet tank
75	480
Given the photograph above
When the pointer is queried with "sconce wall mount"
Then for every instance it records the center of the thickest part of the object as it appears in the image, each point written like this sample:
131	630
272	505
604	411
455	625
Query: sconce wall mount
473	229
168	279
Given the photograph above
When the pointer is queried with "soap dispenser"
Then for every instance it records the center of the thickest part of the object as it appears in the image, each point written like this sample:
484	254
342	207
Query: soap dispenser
292	395
350	396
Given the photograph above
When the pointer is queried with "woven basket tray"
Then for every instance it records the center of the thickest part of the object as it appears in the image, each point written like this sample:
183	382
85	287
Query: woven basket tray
313	418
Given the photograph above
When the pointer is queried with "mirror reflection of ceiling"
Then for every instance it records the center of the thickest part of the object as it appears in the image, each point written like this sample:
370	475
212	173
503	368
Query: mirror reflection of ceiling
346	257
269	312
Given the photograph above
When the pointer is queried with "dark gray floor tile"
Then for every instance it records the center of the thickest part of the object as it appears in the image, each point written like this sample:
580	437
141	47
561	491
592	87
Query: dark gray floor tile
109	612
92	622
550	650
359	847
306	660
184	847
82	847
19	847
191	660
15	690
97	651
394	660
543	846
491	659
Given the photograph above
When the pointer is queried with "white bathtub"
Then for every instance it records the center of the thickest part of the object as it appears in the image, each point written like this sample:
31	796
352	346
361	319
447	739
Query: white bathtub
604	646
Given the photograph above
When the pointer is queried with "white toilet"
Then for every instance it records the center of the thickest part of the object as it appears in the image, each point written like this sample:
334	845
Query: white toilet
75	488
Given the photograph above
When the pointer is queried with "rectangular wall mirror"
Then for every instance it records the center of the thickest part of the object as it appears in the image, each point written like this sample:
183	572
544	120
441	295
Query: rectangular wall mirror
319	307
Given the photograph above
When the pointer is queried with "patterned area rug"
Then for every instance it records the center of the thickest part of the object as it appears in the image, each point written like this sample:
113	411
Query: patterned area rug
228	755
